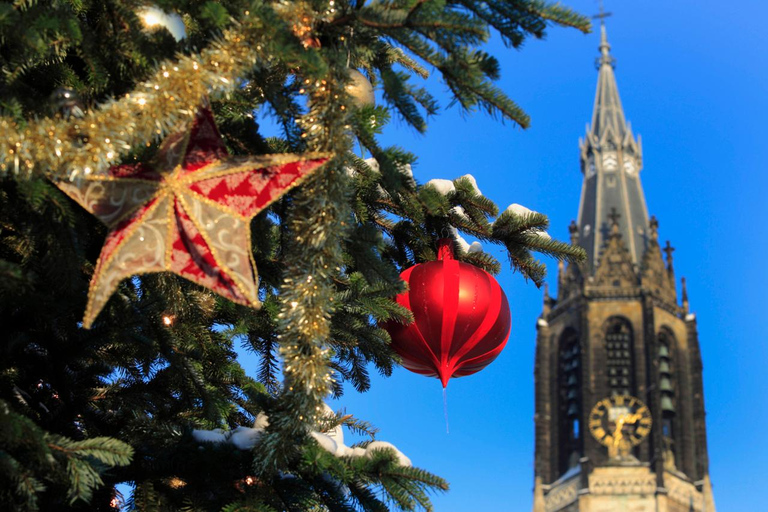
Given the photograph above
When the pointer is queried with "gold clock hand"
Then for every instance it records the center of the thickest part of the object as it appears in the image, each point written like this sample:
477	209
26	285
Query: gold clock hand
618	435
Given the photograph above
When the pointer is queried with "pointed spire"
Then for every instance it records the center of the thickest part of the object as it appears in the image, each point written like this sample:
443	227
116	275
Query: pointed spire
608	113
611	160
653	229
684	292
605	47
668	250
547	307
573	229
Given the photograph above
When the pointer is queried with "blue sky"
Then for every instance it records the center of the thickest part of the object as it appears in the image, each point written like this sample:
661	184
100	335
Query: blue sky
693	78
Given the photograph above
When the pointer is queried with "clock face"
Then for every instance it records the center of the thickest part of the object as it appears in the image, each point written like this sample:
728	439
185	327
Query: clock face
620	422
629	166
610	161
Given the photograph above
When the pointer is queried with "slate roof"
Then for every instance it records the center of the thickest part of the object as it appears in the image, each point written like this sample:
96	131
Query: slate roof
611	160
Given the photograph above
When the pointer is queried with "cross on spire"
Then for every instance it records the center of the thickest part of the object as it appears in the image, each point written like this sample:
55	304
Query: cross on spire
602	14
605	48
668	249
614	216
614	231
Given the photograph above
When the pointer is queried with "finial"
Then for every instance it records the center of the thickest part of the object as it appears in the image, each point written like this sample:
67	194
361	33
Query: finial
560	278
547	307
684	293
653	227
573	229
668	249
605	48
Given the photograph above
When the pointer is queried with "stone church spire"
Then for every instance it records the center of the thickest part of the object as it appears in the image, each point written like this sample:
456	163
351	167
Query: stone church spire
616	356
608	112
611	159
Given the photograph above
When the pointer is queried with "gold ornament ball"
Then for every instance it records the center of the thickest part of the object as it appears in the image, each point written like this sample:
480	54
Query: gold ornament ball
153	18
360	89
66	102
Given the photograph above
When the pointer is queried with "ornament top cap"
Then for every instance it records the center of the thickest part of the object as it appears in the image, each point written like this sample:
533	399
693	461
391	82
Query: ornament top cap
445	249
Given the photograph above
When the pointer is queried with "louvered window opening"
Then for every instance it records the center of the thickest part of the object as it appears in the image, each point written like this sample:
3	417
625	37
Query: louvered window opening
666	379
570	362
619	349
666	362
569	371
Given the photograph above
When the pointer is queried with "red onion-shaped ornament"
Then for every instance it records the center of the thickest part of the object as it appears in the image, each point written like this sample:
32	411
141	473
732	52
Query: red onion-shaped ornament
461	318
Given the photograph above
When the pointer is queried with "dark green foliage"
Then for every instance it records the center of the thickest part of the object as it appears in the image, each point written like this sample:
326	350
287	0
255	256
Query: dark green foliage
30	456
81	411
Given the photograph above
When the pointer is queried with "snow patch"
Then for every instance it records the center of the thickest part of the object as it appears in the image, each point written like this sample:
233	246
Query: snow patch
216	435
573	471
383	445
474	183
406	169
245	438
518	209
475	247
465	246
458	210
326	443
374	165
442	186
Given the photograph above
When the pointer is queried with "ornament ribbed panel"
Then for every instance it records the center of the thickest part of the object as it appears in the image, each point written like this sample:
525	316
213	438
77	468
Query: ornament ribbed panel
422	359
451	279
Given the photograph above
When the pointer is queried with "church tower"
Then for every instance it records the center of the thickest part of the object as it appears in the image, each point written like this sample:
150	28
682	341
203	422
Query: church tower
620	421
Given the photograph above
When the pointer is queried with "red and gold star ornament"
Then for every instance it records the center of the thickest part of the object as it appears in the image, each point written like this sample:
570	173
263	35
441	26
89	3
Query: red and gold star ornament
188	211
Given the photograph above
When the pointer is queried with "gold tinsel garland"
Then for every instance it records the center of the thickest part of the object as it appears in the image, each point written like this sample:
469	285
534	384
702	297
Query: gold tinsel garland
67	149
318	221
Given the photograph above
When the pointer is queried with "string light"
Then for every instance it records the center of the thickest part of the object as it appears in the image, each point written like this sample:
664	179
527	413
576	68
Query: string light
176	483
167	320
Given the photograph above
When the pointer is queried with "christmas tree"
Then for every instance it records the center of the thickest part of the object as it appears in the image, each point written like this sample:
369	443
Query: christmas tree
110	111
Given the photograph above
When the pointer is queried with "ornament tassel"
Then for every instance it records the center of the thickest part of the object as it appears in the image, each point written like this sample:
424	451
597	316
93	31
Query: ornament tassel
445	409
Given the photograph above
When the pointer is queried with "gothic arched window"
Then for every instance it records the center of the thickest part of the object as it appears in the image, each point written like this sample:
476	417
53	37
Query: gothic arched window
569	381
619	350
666	361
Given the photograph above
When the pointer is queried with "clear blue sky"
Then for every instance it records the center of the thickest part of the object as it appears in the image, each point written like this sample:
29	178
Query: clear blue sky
693	78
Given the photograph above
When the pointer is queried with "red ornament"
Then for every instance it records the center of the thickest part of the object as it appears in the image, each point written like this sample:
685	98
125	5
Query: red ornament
188	212
461	318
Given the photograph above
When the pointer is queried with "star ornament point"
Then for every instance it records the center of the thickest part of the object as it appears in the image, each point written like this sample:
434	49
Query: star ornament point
187	211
